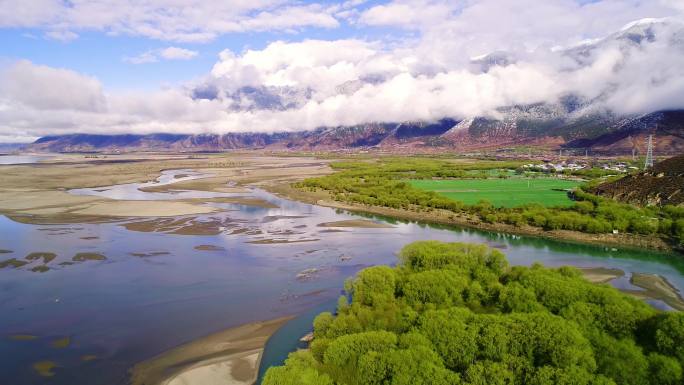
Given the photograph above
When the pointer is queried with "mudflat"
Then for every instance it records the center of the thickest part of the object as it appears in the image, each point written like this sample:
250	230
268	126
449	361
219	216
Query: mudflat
39	193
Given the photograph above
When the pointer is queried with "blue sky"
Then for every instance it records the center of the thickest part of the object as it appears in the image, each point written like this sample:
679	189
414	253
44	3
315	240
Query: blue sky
99	54
122	66
103	56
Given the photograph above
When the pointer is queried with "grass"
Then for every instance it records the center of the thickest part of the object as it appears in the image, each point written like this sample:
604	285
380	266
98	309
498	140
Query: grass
61	343
45	368
509	192
82	257
16	263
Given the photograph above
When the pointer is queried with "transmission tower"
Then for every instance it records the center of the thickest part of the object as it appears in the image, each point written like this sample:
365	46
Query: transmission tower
649	153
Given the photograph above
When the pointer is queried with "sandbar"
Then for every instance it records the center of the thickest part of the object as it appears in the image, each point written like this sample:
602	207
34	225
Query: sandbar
144	209
179	226
600	274
360	223
209	248
231	356
657	287
280	241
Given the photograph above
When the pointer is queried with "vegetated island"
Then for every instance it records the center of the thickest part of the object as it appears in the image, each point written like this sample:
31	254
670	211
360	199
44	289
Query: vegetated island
454	313
391	187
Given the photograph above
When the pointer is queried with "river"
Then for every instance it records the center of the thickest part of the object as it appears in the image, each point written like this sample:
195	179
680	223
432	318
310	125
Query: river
156	290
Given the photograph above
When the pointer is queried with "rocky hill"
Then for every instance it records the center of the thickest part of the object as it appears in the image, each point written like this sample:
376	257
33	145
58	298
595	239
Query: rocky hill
664	184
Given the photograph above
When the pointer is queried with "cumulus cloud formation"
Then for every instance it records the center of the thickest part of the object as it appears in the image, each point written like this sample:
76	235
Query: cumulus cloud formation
459	59
168	53
30	86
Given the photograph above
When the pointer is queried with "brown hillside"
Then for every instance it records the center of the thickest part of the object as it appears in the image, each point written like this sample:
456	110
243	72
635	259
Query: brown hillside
662	185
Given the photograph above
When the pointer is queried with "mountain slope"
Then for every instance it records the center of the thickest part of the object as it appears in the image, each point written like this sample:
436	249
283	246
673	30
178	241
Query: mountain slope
662	185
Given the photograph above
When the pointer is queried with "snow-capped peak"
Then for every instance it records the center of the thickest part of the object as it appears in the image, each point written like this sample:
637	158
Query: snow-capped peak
648	21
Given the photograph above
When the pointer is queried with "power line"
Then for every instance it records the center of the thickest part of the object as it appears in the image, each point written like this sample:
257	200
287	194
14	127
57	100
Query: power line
649	153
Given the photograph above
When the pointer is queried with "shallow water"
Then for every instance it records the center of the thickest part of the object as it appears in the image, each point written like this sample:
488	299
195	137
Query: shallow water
129	308
131	191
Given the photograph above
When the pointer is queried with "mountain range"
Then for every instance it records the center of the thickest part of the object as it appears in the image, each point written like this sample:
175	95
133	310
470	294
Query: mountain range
600	134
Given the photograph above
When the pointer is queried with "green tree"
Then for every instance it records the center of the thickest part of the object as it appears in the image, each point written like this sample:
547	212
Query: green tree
453	313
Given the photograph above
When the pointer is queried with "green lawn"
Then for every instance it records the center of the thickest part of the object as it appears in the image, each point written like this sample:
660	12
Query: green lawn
502	192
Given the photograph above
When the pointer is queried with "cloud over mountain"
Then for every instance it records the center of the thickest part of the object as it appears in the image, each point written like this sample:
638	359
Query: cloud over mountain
457	60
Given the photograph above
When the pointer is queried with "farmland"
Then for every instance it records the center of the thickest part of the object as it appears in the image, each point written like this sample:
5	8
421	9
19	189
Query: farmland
509	192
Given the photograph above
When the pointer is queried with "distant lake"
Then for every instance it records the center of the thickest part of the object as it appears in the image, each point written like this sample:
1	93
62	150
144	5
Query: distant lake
23	159
157	290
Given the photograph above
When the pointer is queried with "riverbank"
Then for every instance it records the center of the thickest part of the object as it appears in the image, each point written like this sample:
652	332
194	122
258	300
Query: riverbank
38	193
445	217
229	357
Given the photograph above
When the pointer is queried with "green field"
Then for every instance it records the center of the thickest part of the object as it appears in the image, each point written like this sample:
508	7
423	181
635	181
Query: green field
510	192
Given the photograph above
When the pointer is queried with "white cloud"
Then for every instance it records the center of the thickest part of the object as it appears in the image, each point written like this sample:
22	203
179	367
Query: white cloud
145	57
169	53
175	53
412	14
64	36
171	20
315	64
47	89
455	29
313	83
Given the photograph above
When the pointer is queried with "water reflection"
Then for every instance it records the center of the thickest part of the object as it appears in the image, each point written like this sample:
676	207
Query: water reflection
134	191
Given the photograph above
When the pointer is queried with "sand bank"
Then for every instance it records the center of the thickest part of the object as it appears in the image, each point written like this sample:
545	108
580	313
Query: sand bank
654	286
272	241
228	357
600	274
144	209
657	287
